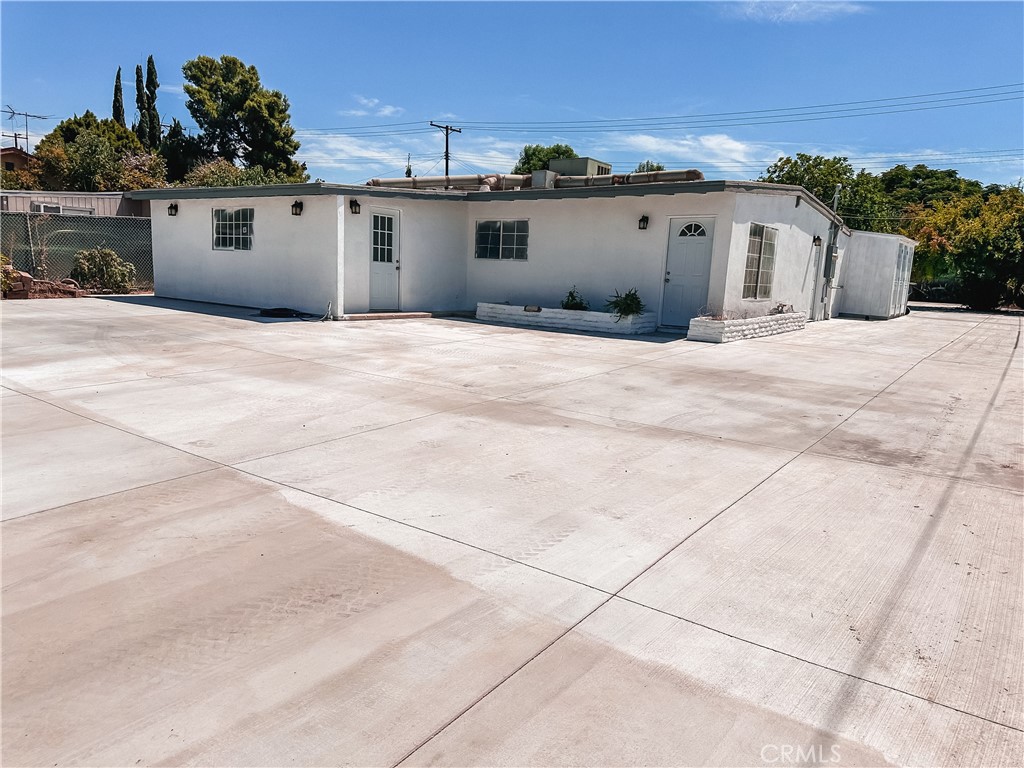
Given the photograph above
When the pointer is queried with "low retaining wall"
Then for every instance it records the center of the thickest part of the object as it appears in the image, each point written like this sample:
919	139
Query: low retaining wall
567	319
718	331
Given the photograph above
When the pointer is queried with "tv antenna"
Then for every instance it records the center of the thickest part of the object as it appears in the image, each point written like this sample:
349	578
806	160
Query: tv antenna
13	113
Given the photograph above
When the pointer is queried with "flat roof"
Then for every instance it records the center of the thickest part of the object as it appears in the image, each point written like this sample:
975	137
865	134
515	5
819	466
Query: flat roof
529	193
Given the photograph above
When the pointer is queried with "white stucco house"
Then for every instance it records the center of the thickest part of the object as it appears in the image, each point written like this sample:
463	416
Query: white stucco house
690	246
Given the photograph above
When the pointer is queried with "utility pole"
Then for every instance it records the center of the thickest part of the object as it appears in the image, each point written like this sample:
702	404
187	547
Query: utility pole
448	130
17	136
11	114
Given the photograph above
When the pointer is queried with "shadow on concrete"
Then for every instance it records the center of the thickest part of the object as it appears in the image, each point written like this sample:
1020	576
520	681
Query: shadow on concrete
251	314
659	337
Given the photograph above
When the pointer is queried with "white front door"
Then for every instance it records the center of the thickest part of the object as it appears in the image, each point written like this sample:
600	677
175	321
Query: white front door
687	270
384	262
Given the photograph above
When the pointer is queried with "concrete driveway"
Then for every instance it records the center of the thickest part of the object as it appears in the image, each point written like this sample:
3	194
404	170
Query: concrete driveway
232	541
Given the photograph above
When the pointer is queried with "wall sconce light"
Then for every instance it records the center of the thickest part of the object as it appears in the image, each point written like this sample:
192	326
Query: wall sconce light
172	209
798	201
353	205
297	208
644	221
816	242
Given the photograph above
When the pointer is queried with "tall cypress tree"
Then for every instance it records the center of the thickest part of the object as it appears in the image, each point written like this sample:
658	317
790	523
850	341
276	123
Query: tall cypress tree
142	104
152	84
118	107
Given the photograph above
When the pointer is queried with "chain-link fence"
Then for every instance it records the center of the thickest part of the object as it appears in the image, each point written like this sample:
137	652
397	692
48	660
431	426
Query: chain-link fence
45	244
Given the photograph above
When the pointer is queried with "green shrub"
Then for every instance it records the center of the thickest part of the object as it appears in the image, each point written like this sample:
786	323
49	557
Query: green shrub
573	300
625	304
102	268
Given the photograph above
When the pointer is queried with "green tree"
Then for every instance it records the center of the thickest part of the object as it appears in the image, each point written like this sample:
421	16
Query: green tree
118	105
863	202
93	165
977	240
182	152
649	166
925	186
815	173
221	173
141	127
121	139
240	119
152	84
142	171
535	157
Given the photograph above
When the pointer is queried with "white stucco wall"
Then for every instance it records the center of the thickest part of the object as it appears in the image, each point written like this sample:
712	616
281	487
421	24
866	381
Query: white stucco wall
293	262
798	269
870	275
593	243
432	250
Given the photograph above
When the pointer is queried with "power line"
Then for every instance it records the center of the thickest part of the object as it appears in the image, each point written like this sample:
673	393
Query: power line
980	95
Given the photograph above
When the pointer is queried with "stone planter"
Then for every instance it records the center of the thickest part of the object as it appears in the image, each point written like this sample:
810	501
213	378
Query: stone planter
718	331
567	319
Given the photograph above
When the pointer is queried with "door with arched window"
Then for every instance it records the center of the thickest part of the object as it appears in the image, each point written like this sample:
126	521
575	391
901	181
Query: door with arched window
687	270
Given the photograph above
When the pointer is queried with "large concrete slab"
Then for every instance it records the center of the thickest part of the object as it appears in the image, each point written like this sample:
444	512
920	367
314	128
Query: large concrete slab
586	498
901	579
52	457
222	621
632	687
241	541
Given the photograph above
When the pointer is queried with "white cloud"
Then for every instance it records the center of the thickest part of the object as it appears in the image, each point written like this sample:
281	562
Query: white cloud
178	89
372	107
730	157
354	159
785	11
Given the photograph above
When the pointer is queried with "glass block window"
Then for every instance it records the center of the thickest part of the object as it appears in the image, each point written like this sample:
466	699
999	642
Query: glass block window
506	239
383	238
760	267
232	229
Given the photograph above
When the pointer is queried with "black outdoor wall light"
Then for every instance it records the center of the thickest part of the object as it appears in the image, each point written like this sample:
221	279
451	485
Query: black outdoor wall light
816	242
353	205
297	208
172	209
644	221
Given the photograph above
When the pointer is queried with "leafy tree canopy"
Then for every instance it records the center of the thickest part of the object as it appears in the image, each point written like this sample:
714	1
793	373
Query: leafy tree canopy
240	119
535	157
925	185
815	173
182	152
221	173
977	240
649	166
121	139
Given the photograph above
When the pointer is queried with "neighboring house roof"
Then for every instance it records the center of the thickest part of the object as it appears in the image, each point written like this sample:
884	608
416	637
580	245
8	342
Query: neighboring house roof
15	152
616	190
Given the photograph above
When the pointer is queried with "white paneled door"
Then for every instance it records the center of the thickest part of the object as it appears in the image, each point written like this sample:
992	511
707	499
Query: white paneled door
384	261
687	271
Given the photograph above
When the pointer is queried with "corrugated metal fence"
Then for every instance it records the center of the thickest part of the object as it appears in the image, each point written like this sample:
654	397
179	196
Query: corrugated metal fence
45	244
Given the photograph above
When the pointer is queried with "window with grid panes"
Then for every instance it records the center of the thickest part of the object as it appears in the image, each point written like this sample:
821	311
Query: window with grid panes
505	239
383	238
232	229
760	267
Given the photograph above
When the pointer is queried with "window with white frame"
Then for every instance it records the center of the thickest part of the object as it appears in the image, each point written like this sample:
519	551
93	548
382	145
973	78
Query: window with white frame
383	238
760	269
232	229
504	239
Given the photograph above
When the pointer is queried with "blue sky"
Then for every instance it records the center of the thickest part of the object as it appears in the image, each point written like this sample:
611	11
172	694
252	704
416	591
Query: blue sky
494	68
